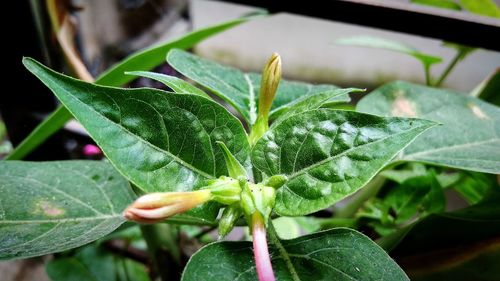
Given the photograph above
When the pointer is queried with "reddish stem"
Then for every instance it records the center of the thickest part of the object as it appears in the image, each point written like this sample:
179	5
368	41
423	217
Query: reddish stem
260	251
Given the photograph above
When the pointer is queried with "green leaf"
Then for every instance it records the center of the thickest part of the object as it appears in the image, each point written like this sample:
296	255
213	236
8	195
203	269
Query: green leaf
381	43
308	103
160	141
49	207
474	186
239	89
176	84
93	263
488	89
481	7
329	154
445	4
336	254
469	137
416	196
142	60
448	230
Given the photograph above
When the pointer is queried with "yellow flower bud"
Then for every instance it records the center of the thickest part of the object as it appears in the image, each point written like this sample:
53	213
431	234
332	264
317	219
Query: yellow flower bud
155	207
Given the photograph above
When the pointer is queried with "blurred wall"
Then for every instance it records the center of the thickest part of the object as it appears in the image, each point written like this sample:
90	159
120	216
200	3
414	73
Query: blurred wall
309	53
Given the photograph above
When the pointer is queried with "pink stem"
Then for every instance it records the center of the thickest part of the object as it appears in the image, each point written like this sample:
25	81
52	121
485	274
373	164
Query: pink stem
260	251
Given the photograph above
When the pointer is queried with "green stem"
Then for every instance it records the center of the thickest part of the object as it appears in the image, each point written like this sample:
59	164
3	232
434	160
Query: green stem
370	190
161	240
273	238
458	57
427	70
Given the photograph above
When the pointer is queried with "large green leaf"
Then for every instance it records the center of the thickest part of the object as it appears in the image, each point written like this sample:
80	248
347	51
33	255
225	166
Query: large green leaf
336	254
49	207
329	154
469	137
145	59
159	140
93	263
239	89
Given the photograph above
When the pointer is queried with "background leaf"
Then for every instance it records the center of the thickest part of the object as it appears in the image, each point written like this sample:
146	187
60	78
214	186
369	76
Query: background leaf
142	60
418	195
176	84
459	245
239	89
446	4
469	137
481	7
448	230
160	141
49	207
329	154
93	263
336	254
488	89
386	44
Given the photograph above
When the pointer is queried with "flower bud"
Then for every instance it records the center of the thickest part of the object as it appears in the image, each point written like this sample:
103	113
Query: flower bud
271	76
158	206
229	217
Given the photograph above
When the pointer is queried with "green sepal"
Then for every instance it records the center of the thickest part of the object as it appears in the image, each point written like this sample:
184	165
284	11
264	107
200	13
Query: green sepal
228	219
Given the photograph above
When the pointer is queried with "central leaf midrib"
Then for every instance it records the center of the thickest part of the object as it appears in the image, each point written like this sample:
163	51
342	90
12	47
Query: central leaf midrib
175	158
63	220
300	172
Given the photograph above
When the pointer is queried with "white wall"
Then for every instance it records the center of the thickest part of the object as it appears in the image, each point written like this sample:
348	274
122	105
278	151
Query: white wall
308	53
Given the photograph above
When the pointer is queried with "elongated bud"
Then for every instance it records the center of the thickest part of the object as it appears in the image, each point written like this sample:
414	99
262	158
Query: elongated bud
271	76
229	217
155	207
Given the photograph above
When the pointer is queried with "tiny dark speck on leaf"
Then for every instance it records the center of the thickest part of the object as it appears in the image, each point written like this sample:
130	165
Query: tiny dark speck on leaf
95	177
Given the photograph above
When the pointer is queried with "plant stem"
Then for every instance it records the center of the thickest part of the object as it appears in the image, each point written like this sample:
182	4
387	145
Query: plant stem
427	70
370	190
458	57
260	250
273	236
161	239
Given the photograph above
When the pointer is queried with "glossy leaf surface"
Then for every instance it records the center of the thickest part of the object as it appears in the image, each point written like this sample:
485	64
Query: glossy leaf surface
336	254
329	154
159	140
